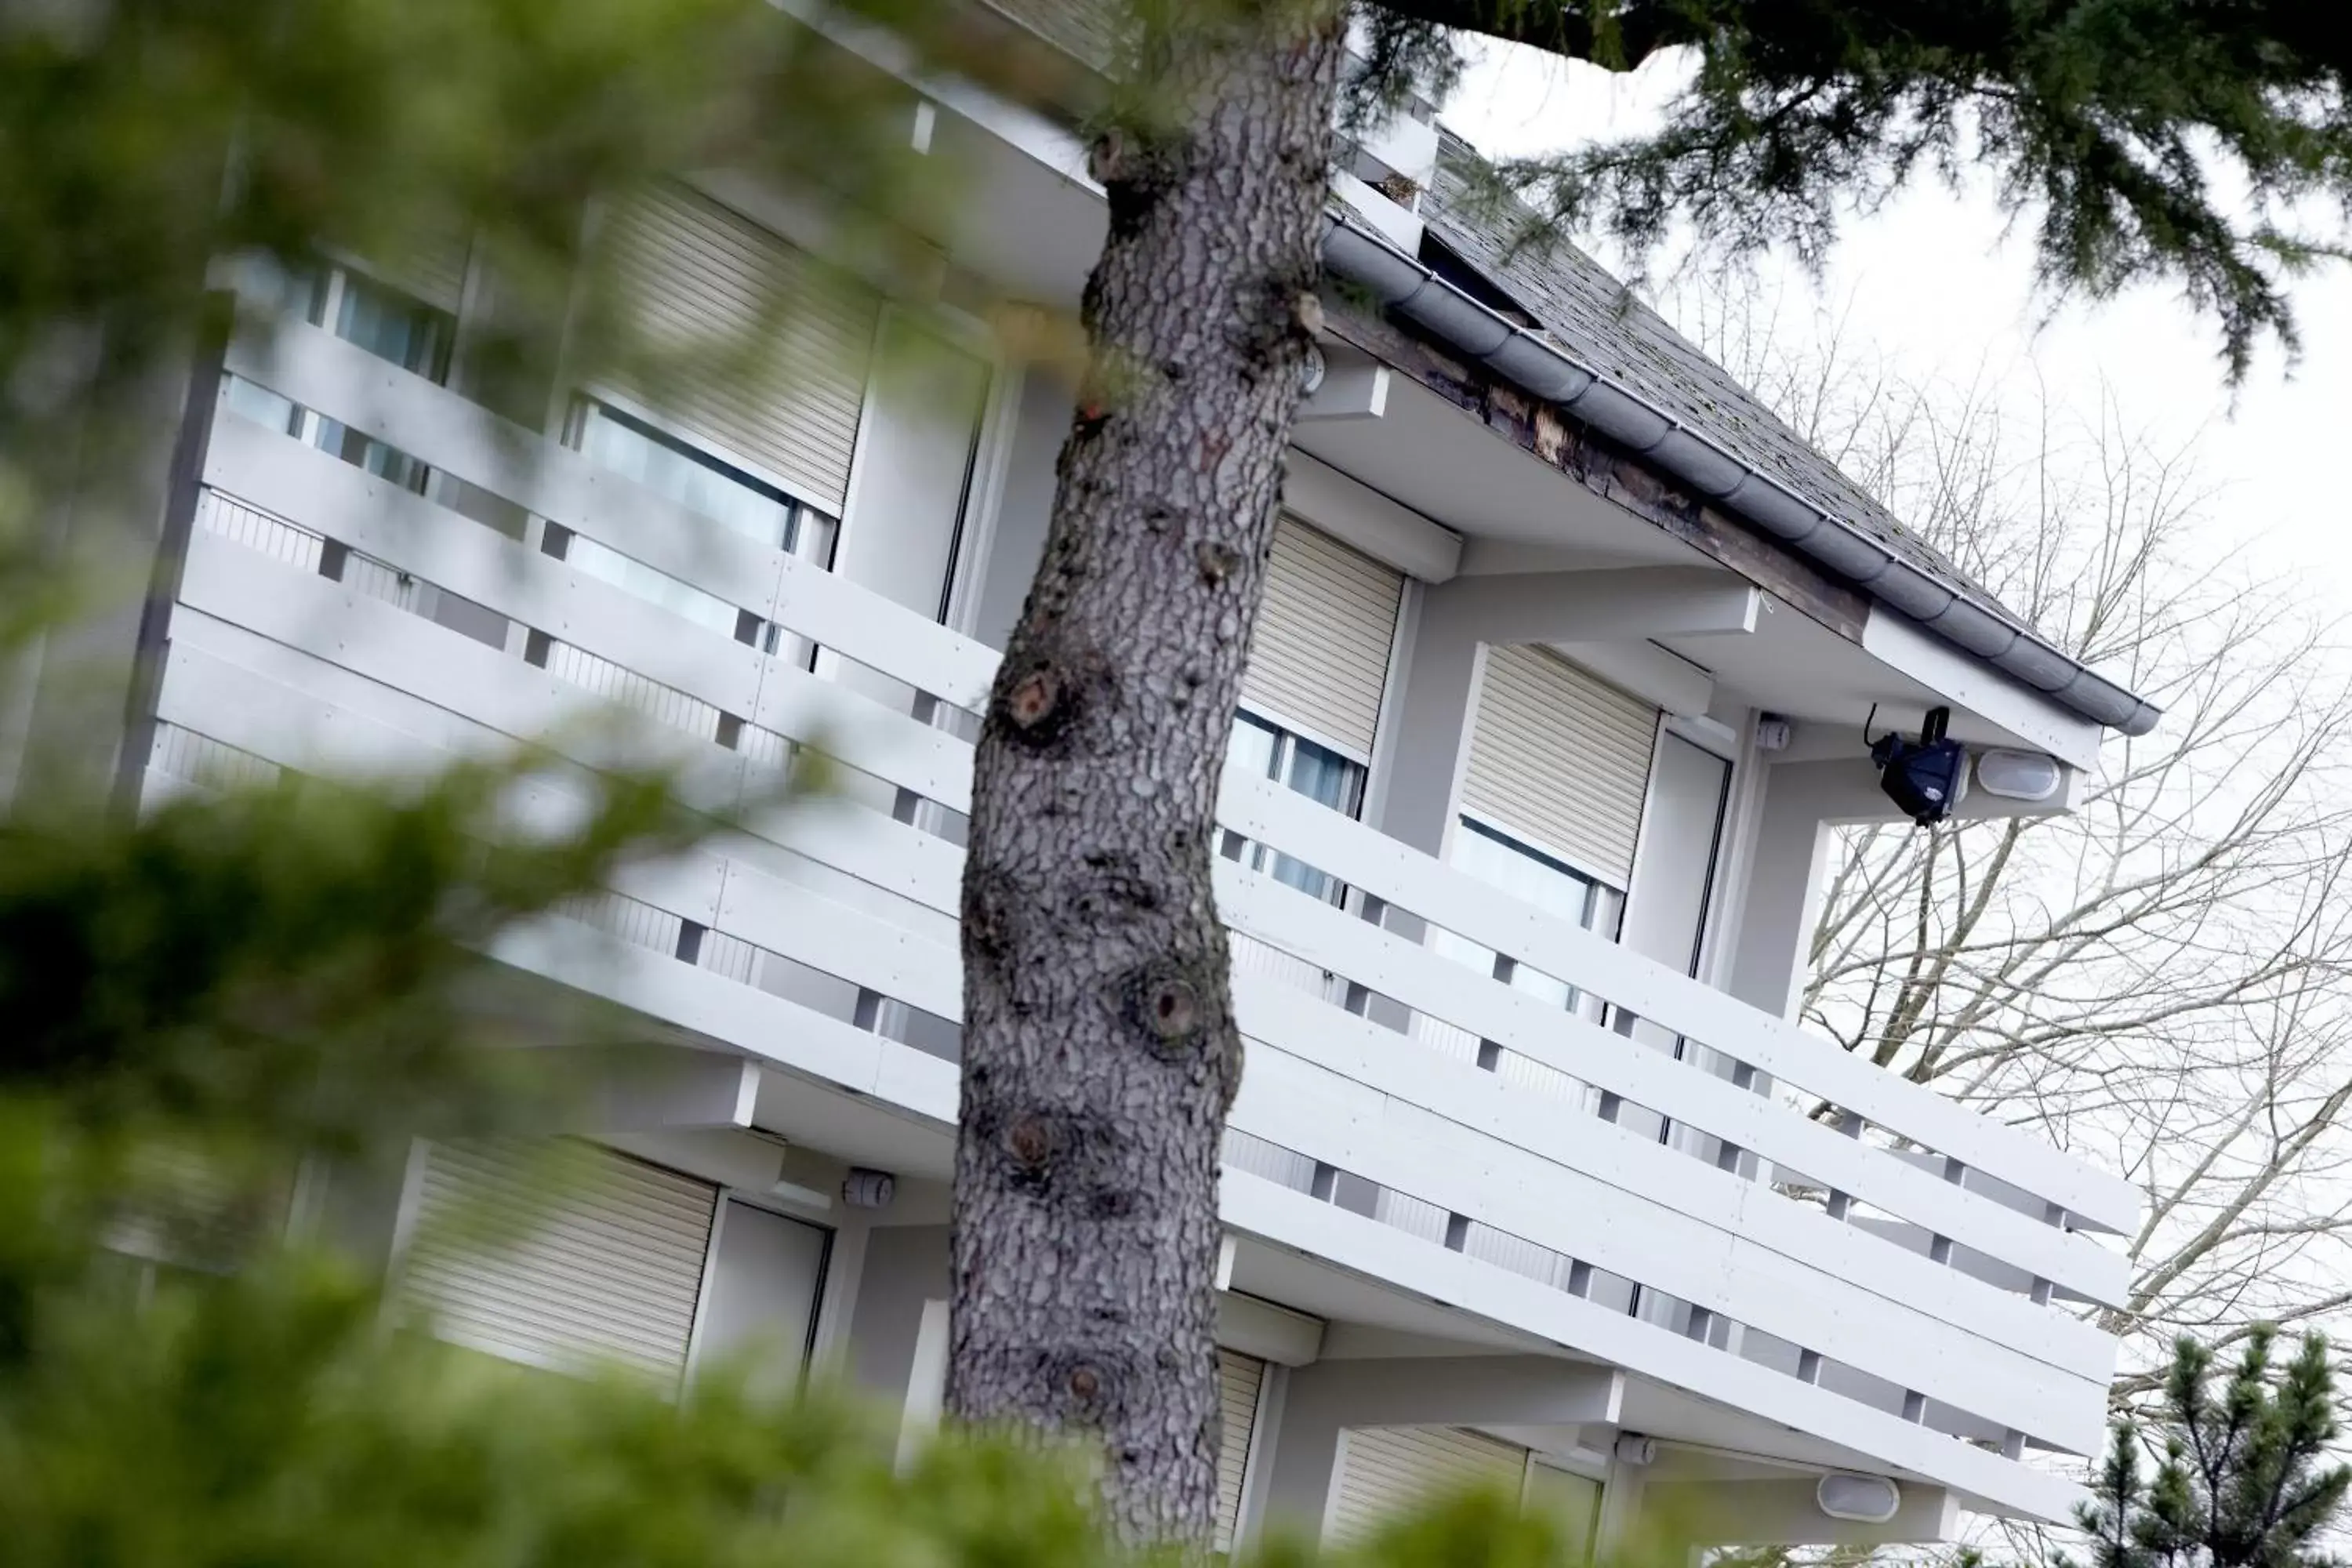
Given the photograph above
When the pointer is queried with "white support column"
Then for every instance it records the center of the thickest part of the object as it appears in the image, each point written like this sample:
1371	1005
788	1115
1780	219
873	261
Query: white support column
902	1267
926	1383
1781	900
1621	1508
1435	704
1424	748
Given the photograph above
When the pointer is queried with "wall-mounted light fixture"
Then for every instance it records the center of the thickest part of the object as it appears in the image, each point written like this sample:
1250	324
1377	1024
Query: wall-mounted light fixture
2018	775
868	1189
1863	1500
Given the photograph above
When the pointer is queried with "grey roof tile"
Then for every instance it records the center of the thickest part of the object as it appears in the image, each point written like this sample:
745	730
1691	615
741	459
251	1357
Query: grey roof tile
1575	301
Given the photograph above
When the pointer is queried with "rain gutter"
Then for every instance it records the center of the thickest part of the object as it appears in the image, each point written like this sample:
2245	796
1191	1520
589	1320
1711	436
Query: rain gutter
1403	284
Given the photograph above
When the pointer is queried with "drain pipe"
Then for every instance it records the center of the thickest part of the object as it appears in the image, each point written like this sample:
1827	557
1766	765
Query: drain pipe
1526	359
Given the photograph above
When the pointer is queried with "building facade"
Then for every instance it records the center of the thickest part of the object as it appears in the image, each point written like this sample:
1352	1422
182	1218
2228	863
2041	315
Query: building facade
1557	693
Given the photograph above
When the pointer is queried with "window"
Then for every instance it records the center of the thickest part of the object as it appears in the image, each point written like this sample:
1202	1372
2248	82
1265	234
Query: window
635	578
701	482
1537	879
704	484
1550	885
392	326
1262	749
386	320
386	323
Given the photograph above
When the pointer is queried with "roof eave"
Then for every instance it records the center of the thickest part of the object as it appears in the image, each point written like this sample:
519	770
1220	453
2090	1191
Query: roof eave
1404	285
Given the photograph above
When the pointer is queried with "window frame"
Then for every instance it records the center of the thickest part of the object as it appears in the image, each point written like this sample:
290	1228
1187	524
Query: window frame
1265	858
802	541
1503	968
811	533
330	285
316	294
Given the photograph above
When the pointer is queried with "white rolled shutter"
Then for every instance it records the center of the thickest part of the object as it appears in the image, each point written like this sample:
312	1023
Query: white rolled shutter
703	276
432	267
1561	756
1319	657
427	263
604	1267
1385	1470
1240	1379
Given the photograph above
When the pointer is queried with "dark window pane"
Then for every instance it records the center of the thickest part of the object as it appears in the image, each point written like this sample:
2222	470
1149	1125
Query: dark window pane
391	326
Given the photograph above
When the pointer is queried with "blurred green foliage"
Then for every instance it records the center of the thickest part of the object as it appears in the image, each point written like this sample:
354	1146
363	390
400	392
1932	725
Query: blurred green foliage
237	985
156	153
248	984
202	1008
140	137
265	1420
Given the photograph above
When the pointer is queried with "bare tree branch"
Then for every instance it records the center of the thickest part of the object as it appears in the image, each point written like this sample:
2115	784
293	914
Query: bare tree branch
2161	979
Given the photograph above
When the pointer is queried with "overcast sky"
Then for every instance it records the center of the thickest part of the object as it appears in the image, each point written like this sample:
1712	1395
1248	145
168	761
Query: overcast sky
1931	283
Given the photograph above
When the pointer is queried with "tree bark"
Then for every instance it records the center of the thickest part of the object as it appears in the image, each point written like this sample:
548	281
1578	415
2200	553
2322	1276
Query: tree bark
1099	1049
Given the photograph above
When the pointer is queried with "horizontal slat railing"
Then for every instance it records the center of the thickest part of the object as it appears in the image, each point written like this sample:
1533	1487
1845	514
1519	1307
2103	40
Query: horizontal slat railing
1371	1248
280	698
307	612
439	427
1357	1049
1404	877
1436	1129
1397	1140
219	696
408	531
1431	984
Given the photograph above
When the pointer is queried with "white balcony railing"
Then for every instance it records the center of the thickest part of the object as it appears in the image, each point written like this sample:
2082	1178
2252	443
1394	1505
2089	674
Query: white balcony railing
1904	1278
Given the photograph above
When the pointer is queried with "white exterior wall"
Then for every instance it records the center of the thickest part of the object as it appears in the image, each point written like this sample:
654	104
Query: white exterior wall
1502	1205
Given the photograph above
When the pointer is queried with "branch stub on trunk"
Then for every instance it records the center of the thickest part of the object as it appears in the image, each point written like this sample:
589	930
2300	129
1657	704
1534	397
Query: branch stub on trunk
1164	999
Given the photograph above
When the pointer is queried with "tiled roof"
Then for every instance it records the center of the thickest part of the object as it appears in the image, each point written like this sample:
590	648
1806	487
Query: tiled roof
1589	312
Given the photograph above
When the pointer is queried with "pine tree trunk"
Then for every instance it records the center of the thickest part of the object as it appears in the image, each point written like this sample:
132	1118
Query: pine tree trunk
1099	1052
